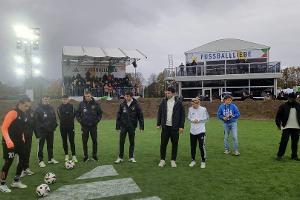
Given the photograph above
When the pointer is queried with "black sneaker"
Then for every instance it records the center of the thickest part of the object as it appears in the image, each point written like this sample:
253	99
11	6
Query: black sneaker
278	158
85	159
95	158
296	159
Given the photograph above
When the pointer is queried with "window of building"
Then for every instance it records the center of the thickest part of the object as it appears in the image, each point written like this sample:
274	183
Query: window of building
191	93
238	82
187	84
262	82
216	83
215	70
237	92
237	69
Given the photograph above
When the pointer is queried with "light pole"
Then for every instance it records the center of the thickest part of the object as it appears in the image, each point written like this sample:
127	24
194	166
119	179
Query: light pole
27	42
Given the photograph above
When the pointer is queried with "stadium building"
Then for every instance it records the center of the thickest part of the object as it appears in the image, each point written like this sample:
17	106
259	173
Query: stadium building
226	65
101	71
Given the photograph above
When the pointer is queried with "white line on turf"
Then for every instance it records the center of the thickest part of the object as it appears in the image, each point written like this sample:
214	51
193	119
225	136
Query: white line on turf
100	171
95	190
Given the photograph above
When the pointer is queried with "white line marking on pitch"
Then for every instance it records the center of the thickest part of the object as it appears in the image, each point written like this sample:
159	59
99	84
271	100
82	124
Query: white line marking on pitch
100	171
95	190
149	198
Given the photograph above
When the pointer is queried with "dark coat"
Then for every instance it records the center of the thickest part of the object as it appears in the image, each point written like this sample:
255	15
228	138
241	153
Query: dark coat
178	117
283	113
66	115
127	117
89	114
44	119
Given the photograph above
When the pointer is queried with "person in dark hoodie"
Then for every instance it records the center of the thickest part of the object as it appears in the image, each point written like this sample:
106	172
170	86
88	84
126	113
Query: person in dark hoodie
66	115
28	132
171	118
45	125
288	120
89	114
128	116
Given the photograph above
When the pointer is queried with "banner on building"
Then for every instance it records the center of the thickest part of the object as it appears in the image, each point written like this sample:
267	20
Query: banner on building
227	55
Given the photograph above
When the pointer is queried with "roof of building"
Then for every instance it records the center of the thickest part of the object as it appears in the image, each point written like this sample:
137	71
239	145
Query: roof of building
98	52
228	44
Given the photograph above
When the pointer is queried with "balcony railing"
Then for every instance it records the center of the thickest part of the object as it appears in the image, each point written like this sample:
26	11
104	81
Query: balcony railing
222	69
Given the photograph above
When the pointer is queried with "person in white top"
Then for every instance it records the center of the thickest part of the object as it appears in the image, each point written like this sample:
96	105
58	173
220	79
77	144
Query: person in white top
197	116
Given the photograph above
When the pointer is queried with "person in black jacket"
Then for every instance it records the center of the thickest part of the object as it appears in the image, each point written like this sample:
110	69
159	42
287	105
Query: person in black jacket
127	117
45	125
89	114
28	132
171	118
66	115
288	120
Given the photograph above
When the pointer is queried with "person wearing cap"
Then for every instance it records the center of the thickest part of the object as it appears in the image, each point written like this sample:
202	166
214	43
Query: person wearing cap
197	116
229	113
288	120
66	115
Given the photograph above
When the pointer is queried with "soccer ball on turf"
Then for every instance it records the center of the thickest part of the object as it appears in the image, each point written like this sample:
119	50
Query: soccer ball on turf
50	178
70	164
42	190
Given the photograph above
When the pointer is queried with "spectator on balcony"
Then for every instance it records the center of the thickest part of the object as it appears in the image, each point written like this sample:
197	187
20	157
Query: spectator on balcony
181	69
194	63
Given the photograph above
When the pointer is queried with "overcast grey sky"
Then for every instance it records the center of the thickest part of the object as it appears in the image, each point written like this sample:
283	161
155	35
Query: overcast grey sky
157	28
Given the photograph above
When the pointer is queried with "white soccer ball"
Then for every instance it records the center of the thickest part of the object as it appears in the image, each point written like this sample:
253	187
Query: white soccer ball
70	164
50	178
42	190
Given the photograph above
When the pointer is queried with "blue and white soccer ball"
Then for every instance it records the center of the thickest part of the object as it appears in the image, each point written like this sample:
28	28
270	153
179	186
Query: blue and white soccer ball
50	178
70	164
43	190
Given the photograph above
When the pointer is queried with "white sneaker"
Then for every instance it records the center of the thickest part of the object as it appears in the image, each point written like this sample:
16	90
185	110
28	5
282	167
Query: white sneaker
162	163
236	153
66	157
4	188
29	172
42	164
132	160
18	184
202	165
192	164
52	161
74	159
23	174
173	163
226	151
119	160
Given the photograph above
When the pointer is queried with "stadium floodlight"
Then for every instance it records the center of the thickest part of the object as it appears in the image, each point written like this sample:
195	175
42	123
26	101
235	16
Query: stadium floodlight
26	33
36	60
20	71
36	72
19	59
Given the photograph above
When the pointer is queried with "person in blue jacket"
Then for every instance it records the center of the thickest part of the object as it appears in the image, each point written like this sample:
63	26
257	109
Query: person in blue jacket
229	113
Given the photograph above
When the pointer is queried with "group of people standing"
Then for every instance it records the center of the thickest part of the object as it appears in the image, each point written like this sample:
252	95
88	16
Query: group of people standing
20	123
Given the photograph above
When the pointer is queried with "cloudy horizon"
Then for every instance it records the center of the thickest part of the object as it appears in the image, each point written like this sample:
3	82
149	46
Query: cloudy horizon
157	28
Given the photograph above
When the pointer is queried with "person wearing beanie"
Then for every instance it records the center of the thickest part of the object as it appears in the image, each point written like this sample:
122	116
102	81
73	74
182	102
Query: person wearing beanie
288	120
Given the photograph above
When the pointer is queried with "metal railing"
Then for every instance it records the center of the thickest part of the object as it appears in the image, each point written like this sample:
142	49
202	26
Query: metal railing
223	69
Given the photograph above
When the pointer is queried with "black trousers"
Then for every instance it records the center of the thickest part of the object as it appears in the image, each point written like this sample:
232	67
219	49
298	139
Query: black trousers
201	139
68	133
8	156
86	132
167	133
131	136
27	148
286	133
48	137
